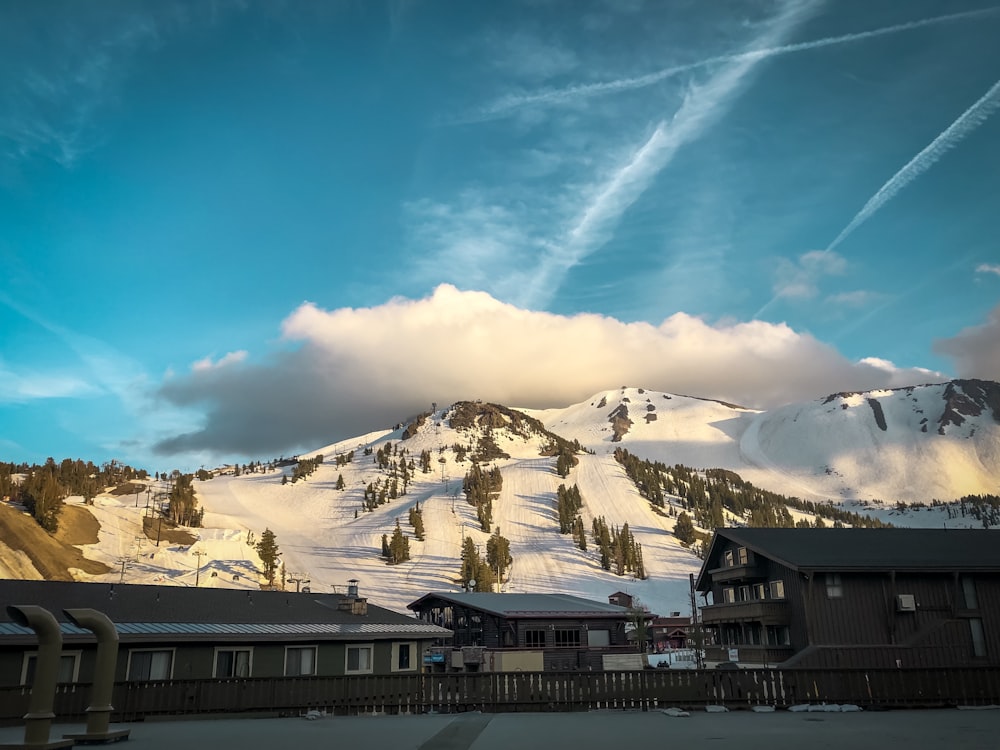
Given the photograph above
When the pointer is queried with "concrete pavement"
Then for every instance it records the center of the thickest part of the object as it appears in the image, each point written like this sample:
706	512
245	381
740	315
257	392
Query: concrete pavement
611	730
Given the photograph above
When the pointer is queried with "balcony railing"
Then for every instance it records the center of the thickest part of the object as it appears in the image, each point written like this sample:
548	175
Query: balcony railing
747	654
739	572
764	611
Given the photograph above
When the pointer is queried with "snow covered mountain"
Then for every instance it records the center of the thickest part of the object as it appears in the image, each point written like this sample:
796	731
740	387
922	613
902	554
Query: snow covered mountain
913	444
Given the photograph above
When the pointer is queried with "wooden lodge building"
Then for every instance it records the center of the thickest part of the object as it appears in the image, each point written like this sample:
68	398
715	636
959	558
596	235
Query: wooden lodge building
827	598
526	632
179	633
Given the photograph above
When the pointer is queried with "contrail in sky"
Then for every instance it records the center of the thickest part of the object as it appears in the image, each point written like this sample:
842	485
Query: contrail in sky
507	105
968	121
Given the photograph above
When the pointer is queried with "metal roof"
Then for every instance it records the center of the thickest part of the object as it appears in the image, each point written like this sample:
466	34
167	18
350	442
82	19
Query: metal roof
526	605
861	550
143	612
246	628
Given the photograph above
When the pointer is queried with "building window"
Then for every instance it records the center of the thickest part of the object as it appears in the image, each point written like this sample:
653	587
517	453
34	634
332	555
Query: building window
567	639
728	595
730	561
404	657
300	660
744	593
777	635
777	589
834	586
150	664
978	637
969	593
232	662
743	556
534	639
69	667
759	591
359	659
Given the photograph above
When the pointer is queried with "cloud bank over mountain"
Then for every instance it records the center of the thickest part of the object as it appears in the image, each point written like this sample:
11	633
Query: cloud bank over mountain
352	370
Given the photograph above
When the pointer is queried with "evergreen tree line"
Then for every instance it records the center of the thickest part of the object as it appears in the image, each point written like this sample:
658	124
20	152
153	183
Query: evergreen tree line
345	458
416	518
42	488
568	504
984	508
565	461
618	550
305	467
484	570
480	488
707	495
182	506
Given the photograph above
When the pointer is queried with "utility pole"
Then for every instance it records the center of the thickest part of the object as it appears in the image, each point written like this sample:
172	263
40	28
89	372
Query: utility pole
159	526
123	561
699	637
197	576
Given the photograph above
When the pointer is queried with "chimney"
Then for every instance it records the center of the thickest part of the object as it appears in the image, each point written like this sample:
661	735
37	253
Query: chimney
353	603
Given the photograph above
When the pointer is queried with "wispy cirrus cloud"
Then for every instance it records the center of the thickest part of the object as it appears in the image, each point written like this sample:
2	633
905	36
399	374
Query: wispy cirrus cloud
963	126
73	65
511	103
799	279
993	268
588	215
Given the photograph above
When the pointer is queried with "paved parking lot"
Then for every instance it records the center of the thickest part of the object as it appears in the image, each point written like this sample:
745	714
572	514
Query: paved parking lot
913	730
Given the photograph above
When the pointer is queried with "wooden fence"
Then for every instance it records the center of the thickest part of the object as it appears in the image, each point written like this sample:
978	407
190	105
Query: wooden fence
528	691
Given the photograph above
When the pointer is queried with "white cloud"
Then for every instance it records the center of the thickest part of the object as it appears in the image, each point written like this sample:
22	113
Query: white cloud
353	370
975	350
203	365
988	268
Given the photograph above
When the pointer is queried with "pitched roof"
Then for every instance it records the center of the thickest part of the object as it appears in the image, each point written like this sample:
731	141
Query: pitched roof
140	612
525	605
865	549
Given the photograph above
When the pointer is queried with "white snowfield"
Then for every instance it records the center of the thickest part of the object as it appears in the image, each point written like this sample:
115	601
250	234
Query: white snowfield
819	450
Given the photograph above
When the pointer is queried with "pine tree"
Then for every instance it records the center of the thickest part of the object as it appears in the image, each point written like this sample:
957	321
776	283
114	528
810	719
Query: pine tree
267	549
340	482
684	529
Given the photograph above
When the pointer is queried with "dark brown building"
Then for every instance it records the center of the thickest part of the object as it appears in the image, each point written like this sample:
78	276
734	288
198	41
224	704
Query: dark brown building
564	632
668	633
853	597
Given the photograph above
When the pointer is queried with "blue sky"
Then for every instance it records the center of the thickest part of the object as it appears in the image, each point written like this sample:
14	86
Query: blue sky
243	229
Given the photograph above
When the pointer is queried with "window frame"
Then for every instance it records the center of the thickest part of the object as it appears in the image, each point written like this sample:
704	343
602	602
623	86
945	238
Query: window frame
729	595
777	585
215	662
729	558
371	658
300	648
834	585
29	655
567	634
132	651
743	556
533	642
396	650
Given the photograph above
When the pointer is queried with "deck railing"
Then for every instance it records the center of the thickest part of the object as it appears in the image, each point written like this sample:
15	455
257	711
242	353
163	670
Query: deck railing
527	691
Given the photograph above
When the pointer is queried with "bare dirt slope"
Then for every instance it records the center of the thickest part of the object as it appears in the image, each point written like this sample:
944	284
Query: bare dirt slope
52	555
